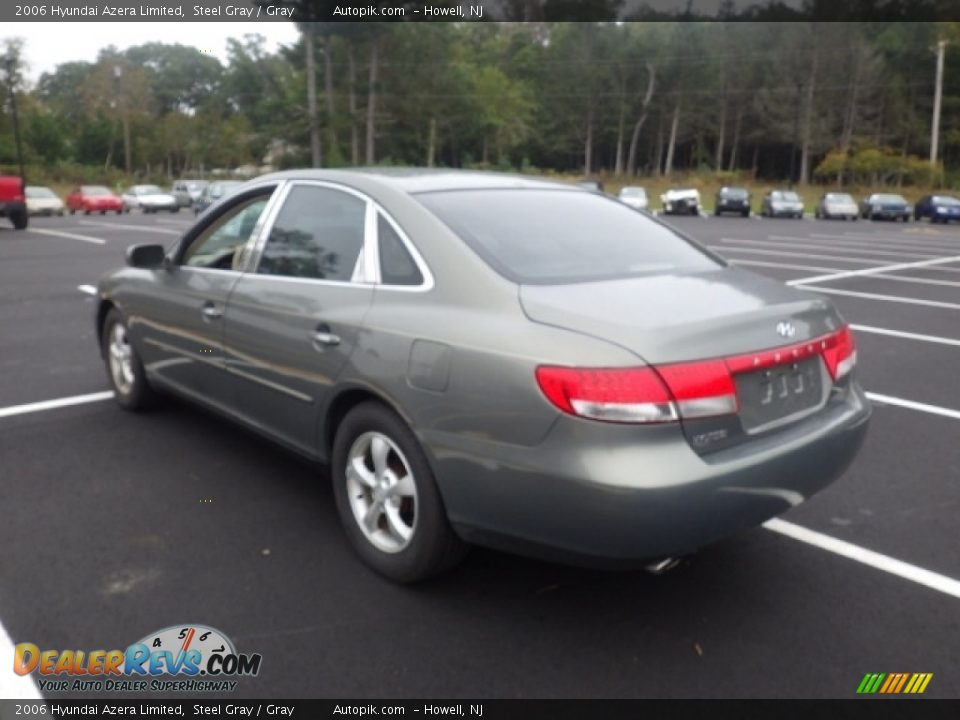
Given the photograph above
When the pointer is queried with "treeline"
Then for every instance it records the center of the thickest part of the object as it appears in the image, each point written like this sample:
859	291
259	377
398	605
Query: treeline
802	101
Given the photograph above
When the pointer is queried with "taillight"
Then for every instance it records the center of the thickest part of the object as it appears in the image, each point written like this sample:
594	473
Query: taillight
840	354
667	393
632	395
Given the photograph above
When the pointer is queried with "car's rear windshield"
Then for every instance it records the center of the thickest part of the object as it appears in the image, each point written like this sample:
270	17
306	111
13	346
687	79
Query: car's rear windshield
95	190
633	192
149	190
787	196
839	198
40	192
557	237
888	198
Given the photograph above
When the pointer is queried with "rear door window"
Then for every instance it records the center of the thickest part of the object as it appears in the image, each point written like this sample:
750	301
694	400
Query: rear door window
318	234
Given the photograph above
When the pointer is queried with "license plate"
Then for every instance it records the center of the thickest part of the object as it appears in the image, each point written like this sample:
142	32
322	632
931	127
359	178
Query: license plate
776	393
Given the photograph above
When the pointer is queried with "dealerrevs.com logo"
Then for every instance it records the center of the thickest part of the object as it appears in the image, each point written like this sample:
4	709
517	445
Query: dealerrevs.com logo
201	658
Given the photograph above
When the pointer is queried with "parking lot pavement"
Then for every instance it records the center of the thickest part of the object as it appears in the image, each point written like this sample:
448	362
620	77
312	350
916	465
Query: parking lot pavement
115	525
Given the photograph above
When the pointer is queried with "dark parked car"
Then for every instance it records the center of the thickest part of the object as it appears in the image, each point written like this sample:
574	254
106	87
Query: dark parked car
782	203
213	192
836	205
733	200
939	208
476	358
885	206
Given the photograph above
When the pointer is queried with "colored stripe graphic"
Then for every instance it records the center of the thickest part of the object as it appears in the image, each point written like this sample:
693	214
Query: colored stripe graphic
894	683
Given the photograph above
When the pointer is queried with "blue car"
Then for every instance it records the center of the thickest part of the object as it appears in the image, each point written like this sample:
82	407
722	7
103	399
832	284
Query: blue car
939	208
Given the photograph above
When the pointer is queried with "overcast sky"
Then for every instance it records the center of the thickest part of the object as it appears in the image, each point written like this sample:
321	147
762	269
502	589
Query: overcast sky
49	44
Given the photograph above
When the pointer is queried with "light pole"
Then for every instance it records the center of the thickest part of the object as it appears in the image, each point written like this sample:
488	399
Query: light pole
937	98
10	61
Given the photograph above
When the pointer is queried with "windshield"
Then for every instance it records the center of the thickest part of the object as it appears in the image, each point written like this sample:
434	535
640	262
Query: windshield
786	196
839	198
633	192
40	192
95	190
556	237
734	193
148	190
887	199
944	200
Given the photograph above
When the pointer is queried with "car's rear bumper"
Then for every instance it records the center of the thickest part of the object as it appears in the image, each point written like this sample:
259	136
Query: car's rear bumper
608	493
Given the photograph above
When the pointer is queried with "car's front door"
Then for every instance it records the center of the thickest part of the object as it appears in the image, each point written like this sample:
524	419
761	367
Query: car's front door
293	321
180	324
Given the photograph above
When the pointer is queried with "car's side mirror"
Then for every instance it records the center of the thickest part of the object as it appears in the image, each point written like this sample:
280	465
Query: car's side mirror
147	257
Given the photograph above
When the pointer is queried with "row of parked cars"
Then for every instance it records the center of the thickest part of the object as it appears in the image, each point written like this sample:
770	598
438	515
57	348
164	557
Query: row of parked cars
88	199
787	203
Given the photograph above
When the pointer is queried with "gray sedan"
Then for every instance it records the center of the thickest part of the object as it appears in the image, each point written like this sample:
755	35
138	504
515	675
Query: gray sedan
490	359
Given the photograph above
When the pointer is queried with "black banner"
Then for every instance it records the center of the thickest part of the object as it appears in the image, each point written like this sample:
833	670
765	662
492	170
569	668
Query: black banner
475	10
872	709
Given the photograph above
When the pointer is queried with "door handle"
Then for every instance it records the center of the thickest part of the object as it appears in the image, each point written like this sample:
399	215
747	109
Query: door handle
323	336
211	312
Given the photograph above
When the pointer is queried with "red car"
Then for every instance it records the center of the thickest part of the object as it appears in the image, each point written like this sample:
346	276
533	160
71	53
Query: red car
93	198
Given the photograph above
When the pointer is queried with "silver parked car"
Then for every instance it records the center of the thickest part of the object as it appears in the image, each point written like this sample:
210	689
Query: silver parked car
836	205
492	359
634	196
149	199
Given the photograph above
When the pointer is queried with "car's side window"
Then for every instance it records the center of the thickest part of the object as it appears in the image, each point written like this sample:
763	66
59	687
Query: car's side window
397	267
318	234
219	245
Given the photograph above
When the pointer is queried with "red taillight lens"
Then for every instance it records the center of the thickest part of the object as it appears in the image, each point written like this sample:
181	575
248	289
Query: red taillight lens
701	389
840	354
683	390
635	395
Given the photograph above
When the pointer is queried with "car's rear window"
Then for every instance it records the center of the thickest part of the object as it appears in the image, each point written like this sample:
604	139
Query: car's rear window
734	193
557	236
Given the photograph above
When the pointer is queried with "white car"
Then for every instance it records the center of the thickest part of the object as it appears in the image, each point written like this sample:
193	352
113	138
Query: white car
681	201
150	199
43	201
635	197
836	205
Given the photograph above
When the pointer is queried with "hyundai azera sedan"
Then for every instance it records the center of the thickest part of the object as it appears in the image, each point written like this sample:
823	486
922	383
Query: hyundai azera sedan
495	360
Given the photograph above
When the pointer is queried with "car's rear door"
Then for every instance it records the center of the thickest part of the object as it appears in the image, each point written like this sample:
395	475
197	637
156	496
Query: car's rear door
293	321
178	318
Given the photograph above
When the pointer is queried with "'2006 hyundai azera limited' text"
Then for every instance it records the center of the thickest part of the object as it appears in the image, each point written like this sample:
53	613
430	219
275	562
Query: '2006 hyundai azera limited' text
490	359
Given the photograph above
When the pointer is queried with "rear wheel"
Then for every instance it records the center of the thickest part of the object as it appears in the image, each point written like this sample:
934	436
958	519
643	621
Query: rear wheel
20	219
387	498
124	369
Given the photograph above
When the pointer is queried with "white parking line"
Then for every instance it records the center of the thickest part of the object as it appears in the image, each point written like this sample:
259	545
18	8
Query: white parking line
54	404
875	270
905	335
13	686
911	405
878	561
722	249
876	296
72	236
142	228
821	241
821	246
87	289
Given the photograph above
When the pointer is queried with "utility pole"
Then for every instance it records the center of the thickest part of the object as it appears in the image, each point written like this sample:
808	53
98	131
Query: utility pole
11	66
937	97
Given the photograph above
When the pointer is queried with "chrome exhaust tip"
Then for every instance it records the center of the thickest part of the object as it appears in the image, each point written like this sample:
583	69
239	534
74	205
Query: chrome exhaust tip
662	566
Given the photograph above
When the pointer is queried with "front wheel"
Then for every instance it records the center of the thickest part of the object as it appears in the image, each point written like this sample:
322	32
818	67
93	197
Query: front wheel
387	498
124	369
20	220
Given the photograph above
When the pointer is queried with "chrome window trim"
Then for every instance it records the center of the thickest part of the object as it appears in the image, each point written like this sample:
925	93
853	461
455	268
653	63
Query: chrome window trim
368	262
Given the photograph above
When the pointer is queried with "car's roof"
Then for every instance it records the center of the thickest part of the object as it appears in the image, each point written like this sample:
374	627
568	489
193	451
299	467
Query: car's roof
416	180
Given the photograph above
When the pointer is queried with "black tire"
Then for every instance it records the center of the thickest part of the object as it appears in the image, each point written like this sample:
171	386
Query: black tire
745	213
138	395
73	210
20	219
433	547
176	209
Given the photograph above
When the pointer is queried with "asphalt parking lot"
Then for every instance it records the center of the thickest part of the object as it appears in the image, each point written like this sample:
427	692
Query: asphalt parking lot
114	525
